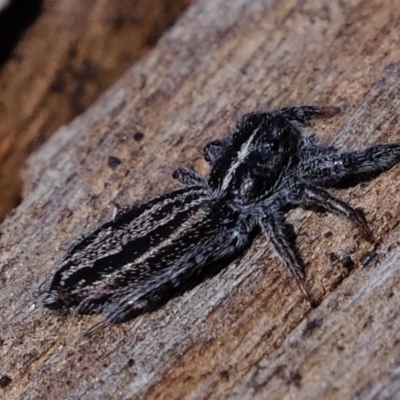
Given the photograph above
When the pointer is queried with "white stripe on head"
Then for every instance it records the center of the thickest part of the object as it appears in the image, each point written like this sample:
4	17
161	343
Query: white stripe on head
242	154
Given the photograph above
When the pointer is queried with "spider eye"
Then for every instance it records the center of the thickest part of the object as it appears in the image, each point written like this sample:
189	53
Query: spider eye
274	145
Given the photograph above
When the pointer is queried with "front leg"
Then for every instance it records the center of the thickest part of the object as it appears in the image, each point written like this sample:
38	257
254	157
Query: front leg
282	237
344	170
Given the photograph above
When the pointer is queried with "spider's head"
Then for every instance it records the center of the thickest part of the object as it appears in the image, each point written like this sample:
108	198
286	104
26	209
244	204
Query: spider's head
256	159
263	159
276	135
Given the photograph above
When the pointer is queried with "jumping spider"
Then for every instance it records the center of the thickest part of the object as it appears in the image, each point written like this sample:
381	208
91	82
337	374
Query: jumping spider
262	169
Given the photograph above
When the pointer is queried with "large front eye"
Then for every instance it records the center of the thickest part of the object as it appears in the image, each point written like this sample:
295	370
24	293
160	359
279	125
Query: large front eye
274	144
261	157
272	132
283	136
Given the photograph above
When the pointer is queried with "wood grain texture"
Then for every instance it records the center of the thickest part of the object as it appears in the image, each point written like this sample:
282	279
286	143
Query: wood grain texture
72	53
246	333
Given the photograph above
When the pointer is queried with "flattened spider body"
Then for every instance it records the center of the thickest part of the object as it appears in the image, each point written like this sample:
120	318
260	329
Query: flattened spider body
262	169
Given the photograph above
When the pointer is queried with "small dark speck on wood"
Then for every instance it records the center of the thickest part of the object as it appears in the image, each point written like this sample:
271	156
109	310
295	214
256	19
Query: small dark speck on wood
5	380
138	136
113	162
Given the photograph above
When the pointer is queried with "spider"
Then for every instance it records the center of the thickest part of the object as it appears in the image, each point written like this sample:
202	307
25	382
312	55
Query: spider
263	168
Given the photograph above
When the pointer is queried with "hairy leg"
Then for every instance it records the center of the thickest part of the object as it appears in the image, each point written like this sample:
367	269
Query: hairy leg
350	168
305	114
214	150
312	197
116	314
282	237
188	177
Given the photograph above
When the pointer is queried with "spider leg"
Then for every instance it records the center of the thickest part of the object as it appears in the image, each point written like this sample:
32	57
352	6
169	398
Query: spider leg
214	150
305	114
282	237
350	168
123	309
116	313
188	177
319	198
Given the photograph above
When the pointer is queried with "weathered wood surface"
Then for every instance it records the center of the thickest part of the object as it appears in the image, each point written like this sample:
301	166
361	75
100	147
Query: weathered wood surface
63	62
246	333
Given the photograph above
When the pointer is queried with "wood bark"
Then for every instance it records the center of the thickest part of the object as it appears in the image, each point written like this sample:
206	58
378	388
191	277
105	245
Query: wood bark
247	333
63	62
